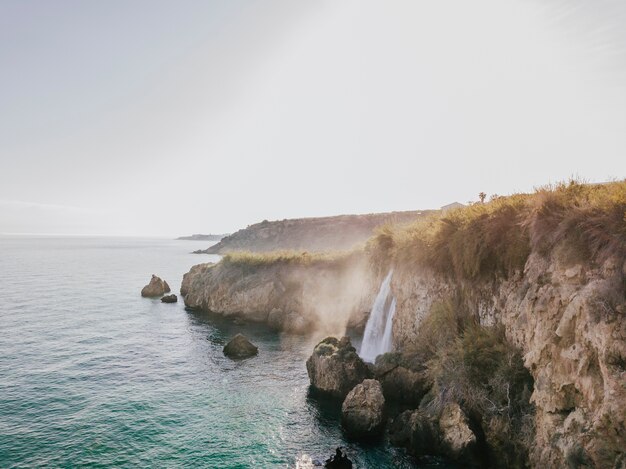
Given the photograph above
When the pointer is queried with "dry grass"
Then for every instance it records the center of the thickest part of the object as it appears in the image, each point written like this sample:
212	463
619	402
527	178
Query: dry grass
255	260
495	238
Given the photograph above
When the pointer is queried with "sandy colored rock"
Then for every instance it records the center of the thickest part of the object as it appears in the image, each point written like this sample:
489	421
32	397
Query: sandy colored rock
363	410
156	287
335	368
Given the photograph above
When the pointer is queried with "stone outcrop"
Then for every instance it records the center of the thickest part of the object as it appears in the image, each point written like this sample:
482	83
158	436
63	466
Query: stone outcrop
570	323
335	368
240	347
402	377
326	297
337	233
169	298
447	434
362	412
457	439
156	287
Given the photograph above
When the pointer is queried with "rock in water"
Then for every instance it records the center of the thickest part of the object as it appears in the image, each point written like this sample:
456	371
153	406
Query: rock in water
240	347
169	299
339	461
156	287
362	412
335	368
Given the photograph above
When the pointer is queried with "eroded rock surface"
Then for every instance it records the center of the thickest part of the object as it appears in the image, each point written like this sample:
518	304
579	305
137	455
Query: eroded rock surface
570	323
403	378
362	412
335	368
289	297
156	287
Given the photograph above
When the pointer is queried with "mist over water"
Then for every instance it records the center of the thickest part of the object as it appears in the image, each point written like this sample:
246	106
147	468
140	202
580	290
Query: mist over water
91	374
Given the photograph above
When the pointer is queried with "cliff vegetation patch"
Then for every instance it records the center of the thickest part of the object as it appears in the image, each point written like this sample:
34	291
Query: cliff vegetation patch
489	239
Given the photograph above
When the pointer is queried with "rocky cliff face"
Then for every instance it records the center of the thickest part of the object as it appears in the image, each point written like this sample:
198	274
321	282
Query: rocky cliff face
311	234
569	320
325	298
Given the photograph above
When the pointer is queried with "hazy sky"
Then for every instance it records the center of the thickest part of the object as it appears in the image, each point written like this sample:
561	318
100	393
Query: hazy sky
173	117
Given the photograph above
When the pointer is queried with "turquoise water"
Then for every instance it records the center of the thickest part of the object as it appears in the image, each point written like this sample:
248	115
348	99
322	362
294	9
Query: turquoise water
93	375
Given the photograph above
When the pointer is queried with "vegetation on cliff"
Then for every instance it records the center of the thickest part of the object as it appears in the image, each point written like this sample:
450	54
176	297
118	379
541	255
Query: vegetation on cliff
477	368
483	240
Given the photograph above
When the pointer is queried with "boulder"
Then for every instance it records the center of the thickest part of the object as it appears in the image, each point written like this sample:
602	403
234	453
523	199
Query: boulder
363	410
402	377
415	430
335	368
169	299
156	287
240	347
457	438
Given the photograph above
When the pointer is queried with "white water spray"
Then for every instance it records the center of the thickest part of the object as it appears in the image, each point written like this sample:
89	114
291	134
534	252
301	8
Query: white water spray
377	336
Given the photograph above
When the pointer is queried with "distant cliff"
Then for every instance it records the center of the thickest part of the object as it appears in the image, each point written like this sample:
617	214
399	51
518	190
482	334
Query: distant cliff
310	234
202	237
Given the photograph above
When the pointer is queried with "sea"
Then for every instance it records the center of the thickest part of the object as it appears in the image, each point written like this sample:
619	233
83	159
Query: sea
94	375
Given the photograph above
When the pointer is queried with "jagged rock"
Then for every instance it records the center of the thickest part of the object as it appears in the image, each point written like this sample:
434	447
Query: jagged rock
240	347
156	287
457	439
362	412
402	377
169	299
334	368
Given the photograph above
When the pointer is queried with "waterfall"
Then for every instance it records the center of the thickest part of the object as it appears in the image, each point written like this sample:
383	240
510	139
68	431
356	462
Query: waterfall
377	336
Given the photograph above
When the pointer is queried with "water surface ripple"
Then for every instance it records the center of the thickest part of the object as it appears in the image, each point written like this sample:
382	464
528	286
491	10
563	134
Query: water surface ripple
93	375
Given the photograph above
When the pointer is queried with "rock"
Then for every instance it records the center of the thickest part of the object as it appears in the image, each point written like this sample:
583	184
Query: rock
334	368
169	299
338	461
156	287
362	412
416	431
457	439
402	377
240	347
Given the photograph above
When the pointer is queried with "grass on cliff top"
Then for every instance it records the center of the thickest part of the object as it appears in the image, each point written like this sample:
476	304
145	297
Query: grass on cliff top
586	222
254	260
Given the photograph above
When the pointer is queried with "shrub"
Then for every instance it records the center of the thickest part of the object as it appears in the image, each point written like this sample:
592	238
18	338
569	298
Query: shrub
482	372
483	241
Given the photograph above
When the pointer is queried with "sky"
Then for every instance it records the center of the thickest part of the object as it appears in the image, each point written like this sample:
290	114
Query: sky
165	118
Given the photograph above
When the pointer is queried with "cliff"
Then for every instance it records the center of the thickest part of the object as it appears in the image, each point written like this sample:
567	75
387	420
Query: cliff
292	292
515	309
341	232
202	237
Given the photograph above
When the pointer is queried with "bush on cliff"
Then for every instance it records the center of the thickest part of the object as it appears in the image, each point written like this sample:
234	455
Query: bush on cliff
477	368
484	240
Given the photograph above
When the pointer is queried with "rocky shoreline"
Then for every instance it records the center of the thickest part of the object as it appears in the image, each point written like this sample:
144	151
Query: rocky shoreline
509	332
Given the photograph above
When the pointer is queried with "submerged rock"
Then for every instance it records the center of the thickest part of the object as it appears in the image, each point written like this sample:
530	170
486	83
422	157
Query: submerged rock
169	299
240	347
334	368
362	412
156	287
